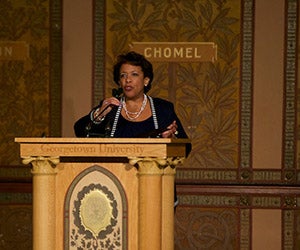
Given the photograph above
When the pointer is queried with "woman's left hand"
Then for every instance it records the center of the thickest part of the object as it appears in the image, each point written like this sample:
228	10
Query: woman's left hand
171	131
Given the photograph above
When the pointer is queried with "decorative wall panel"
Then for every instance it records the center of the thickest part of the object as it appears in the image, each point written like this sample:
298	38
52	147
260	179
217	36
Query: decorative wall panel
30	104
205	94
214	217
30	69
15	216
291	173
16	227
219	189
213	99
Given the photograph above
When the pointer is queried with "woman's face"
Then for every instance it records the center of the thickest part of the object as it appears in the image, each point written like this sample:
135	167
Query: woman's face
132	81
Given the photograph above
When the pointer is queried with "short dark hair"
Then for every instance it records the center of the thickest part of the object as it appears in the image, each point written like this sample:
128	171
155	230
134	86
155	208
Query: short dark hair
135	59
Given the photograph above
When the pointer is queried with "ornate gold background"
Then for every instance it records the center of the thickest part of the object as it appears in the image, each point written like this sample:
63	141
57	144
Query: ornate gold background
214	102
206	95
31	88
30	106
220	94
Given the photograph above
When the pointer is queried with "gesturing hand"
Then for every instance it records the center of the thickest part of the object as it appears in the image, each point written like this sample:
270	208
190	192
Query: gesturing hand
171	131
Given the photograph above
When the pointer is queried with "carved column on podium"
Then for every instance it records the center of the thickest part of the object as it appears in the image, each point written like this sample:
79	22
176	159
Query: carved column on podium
168	198
44	173
156	187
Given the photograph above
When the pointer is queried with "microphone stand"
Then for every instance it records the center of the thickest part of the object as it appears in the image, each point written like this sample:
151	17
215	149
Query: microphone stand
115	93
90	124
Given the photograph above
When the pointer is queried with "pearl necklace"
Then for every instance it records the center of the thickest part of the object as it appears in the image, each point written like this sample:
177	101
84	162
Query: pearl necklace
134	115
114	127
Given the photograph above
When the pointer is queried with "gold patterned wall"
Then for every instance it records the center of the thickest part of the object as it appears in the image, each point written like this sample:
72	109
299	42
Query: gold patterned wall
30	69
224	201
213	99
205	94
16	226
221	195
30	104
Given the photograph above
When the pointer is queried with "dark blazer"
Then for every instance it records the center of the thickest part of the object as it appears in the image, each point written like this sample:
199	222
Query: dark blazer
165	113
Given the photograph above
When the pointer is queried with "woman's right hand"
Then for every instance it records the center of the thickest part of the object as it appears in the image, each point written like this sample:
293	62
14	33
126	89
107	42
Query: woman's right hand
105	108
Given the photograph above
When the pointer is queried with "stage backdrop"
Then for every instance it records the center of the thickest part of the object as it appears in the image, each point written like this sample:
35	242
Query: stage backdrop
203	57
30	104
30	70
174	36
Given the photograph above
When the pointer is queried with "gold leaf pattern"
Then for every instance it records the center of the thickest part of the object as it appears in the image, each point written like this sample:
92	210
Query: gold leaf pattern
206	95
24	93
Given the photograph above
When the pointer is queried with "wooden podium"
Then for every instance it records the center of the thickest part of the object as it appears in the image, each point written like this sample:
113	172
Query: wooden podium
103	193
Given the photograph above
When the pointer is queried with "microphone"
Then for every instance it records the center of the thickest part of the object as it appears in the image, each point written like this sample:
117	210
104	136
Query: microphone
99	115
90	124
115	93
